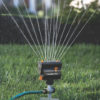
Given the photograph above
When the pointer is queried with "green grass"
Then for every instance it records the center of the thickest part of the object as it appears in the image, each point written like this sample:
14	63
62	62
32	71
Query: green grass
80	73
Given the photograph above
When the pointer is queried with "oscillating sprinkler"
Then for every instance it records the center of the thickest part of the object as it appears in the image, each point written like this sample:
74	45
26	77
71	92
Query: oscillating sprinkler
49	71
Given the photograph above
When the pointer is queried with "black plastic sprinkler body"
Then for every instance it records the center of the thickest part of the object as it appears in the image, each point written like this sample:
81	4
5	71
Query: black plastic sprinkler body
49	71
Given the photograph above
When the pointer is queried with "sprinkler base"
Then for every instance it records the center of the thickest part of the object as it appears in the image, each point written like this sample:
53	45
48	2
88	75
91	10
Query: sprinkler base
44	98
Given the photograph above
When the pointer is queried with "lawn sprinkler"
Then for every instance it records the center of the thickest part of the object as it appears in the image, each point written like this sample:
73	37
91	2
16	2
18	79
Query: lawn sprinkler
49	71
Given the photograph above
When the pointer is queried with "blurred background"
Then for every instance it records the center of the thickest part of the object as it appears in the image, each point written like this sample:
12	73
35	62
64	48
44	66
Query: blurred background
41	8
57	19
34	6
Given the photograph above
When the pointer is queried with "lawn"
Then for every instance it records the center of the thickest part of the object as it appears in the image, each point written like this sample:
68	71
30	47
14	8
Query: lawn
80	73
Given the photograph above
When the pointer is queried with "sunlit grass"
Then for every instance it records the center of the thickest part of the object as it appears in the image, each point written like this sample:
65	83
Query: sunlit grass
80	73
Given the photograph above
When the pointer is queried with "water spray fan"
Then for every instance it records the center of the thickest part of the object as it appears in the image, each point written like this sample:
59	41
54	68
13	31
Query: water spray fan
49	71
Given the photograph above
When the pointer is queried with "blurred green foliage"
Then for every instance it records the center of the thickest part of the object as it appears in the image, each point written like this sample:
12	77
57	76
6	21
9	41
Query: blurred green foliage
92	8
64	11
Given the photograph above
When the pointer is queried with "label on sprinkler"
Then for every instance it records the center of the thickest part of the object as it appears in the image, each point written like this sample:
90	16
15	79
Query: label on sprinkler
43	98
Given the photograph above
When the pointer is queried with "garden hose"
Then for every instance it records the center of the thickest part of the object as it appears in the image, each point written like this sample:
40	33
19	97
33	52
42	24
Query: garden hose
27	93
47	90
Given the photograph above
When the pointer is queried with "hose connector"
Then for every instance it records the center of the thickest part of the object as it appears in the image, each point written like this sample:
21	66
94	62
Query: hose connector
49	89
